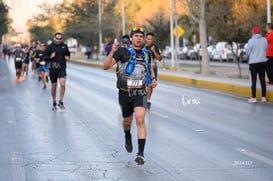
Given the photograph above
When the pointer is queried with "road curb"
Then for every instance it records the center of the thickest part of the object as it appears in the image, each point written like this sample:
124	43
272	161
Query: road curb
239	90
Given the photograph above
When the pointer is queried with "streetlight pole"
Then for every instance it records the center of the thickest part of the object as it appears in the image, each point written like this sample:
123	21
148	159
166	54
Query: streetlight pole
171	33
268	11
100	31
176	37
123	18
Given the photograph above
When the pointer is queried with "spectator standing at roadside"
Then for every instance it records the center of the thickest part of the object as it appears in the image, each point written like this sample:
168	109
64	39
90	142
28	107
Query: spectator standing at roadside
56	54
88	52
131	82
256	50
156	56
269	53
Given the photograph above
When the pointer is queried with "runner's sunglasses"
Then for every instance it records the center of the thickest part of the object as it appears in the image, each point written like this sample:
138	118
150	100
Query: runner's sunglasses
139	29
58	38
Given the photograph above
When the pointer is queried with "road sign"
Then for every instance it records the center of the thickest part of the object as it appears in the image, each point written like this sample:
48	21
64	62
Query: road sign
179	30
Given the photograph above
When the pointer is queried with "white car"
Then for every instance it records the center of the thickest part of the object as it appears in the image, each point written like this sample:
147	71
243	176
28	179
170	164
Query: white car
223	51
210	49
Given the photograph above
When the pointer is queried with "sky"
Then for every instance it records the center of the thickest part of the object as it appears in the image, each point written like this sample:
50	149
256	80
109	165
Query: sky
22	10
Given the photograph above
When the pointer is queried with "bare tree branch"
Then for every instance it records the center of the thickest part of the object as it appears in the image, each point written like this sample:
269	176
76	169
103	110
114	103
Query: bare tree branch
191	4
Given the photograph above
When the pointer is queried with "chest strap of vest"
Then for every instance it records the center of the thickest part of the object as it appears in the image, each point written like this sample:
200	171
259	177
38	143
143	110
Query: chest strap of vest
132	61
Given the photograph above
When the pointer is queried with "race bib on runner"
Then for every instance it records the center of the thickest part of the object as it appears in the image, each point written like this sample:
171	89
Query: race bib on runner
54	65
133	84
18	59
42	63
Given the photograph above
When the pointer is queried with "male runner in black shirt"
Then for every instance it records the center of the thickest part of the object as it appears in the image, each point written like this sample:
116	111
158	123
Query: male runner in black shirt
156	56
132	86
57	53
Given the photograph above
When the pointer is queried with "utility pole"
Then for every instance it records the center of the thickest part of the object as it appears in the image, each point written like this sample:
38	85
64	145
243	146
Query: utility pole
268	11
123	17
100	29
171	34
176	37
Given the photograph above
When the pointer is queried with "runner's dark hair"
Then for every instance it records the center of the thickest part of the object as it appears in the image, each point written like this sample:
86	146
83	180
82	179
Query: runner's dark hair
149	33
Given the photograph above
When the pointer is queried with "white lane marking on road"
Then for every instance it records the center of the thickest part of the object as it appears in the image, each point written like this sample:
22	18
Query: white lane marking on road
256	156
199	130
159	114
17	166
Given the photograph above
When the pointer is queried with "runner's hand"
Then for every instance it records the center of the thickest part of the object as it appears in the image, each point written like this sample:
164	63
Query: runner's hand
154	83
115	47
52	55
67	58
153	48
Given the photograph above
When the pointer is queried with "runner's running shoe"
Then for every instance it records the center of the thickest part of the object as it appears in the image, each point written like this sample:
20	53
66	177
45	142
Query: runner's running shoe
128	144
149	104
54	106
140	160
17	80
61	104
22	78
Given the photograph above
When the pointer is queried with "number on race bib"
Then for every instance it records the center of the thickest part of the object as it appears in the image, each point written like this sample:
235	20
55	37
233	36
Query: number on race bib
134	84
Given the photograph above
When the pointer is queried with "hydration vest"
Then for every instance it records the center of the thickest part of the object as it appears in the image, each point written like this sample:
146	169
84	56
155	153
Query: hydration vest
134	74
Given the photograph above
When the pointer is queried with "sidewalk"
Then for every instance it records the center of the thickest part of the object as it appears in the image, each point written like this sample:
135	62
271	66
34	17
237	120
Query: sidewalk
189	77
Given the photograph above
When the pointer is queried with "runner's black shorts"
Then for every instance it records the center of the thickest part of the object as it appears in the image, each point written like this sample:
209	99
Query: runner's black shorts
128	103
57	73
18	65
37	65
155	72
26	61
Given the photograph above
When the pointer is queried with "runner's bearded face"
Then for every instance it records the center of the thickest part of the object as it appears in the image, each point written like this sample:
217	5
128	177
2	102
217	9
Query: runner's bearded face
58	39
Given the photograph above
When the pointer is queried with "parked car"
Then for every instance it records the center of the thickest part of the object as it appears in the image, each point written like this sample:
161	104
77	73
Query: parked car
167	52
73	49
192	54
242	54
188	53
223	51
184	54
210	49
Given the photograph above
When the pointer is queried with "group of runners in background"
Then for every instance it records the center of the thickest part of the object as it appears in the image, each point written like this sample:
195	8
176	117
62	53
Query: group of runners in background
23	55
47	61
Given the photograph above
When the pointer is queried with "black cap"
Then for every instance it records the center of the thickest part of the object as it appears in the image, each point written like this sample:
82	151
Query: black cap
125	39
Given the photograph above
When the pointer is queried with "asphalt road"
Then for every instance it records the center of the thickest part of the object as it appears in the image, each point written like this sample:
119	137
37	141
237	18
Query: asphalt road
193	134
